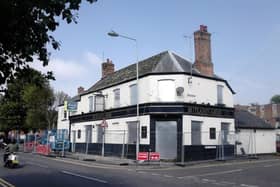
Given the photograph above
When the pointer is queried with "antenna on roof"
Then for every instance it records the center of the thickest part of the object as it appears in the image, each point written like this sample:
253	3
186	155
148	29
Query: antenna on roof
189	39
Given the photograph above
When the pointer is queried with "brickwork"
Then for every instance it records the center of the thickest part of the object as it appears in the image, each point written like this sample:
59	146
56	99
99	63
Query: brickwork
202	44
107	68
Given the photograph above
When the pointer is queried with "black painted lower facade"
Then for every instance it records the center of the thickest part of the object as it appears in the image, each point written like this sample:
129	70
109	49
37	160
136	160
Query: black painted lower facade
158	112
191	152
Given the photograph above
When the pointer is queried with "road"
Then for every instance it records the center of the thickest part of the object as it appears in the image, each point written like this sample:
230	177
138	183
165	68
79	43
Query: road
51	172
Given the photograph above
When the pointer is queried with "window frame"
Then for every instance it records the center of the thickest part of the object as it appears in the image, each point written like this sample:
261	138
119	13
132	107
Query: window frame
220	94
90	103
79	134
117	103
212	133
131	94
144	132
95	103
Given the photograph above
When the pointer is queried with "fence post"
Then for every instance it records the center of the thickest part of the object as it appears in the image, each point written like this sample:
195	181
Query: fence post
48	139
24	144
34	143
103	141
183	149
63	148
123	144
87	140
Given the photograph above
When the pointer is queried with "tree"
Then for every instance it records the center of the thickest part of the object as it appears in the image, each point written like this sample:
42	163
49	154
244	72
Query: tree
60	97
26	31
38	101
275	99
26	100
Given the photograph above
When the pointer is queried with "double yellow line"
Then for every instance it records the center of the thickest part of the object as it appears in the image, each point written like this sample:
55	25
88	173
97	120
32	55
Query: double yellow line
4	183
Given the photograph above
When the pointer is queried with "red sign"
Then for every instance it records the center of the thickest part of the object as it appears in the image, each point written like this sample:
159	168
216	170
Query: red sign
154	156
142	155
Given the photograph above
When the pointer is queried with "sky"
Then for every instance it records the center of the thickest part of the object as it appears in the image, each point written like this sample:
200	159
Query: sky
245	41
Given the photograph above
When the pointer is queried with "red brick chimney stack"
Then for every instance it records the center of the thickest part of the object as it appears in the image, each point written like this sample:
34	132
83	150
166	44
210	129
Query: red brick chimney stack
202	44
107	68
80	90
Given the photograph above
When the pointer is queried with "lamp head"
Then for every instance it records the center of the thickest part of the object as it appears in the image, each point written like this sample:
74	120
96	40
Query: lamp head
113	34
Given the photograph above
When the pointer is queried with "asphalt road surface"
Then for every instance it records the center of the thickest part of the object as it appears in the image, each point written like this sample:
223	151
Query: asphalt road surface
51	172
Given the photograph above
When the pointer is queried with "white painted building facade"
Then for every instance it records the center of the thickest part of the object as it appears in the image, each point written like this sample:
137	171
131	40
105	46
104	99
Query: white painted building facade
254	135
178	104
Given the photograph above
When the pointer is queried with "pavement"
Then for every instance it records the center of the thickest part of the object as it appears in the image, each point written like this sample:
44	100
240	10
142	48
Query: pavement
110	160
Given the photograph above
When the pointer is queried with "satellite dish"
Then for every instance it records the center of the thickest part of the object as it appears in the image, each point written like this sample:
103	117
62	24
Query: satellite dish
180	91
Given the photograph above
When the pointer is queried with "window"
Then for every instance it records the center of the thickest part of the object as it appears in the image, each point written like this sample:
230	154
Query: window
117	98
79	134
196	132
144	132
220	94
225	132
212	133
90	103
64	114
133	94
132	132
166	90
99	103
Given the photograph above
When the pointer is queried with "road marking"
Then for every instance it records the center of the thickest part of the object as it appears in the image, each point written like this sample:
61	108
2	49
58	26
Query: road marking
180	177
5	183
227	183
216	173
167	176
155	174
208	180
85	177
247	185
270	165
142	172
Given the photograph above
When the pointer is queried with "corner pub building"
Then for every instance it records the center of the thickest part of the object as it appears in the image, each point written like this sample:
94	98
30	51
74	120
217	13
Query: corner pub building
181	105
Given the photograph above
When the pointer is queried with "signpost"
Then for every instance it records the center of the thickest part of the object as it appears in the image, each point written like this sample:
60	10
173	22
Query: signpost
104	125
154	156
142	156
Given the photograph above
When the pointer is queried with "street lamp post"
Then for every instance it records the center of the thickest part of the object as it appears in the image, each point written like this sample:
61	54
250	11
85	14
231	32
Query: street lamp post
115	34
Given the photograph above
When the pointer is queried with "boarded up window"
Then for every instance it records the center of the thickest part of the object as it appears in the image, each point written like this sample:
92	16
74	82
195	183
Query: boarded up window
166	90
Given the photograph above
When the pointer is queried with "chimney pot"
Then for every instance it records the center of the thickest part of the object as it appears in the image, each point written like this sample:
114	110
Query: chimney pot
202	44
107	68
203	28
80	90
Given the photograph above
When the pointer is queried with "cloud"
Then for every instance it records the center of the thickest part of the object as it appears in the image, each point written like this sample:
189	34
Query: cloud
92	58
63	69
70	74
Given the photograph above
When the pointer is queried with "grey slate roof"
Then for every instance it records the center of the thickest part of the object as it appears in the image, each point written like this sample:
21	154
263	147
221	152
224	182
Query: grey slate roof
165	62
246	120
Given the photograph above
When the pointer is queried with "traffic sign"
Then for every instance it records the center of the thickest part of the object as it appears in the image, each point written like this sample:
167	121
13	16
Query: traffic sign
142	155
154	156
104	123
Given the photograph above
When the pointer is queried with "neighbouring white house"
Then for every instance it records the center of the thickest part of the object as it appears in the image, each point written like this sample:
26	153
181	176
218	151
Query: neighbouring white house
181	105
254	135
